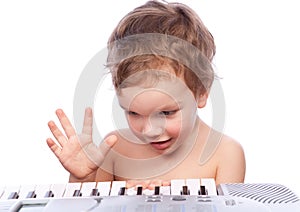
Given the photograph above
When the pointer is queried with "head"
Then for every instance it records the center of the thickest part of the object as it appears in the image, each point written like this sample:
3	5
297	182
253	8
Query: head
169	37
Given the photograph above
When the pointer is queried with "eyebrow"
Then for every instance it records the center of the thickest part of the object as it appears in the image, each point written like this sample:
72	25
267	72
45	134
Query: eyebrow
177	105
122	107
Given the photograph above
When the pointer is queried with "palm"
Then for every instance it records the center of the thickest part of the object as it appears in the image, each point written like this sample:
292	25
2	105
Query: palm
78	154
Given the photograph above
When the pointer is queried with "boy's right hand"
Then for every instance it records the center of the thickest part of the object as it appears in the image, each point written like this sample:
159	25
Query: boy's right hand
78	154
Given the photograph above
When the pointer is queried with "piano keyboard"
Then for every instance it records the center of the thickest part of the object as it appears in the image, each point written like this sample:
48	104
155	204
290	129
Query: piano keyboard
115	188
182	195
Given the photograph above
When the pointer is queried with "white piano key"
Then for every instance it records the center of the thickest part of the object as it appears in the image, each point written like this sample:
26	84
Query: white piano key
131	191
87	188
115	187
58	190
165	190
148	191
1	191
70	189
210	185
41	190
193	186
25	189
8	190
134	190
176	186
104	188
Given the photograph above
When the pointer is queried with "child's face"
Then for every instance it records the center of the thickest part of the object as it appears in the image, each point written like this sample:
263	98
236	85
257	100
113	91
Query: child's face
162	115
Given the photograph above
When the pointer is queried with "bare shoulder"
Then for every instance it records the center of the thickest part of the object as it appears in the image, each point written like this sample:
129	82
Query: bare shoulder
228	145
231	161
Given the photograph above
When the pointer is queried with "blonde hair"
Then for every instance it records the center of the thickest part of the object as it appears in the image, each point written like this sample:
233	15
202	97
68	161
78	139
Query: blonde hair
170	19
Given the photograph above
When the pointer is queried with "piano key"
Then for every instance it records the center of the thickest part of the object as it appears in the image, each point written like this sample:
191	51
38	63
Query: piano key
130	191
95	192
148	191
116	186
210	185
185	190
165	190
157	190
202	190
77	193
72	189
41	190
139	190
176	186
25	190
193	185
87	188
10	192
104	188
122	191
1	191
13	195
58	190
31	194
49	194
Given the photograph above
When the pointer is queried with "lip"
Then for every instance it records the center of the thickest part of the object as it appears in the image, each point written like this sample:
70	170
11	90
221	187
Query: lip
161	145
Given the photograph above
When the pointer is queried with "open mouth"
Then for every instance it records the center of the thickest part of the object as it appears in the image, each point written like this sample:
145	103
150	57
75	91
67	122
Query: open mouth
161	145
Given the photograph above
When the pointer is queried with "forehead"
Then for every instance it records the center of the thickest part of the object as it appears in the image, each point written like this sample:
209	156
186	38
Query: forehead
164	91
152	100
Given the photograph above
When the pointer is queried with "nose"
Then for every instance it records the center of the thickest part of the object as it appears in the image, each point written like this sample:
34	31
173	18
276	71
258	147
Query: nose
153	127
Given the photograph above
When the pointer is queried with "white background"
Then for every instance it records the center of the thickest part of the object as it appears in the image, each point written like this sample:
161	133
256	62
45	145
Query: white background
45	45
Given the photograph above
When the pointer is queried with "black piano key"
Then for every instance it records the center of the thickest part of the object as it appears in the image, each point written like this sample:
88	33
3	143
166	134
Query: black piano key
31	194
139	190
13	195
185	190
202	190
122	191
77	193
49	194
95	192
156	190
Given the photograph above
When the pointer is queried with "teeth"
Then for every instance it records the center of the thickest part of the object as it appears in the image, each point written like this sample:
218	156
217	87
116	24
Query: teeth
161	141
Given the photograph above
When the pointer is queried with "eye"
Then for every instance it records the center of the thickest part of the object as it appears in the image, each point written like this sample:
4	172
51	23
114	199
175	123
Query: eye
168	113
131	113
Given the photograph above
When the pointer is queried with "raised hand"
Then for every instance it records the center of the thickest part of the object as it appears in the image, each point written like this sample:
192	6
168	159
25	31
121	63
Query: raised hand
77	153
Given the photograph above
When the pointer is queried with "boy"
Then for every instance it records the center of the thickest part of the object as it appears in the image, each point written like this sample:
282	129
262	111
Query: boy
160	58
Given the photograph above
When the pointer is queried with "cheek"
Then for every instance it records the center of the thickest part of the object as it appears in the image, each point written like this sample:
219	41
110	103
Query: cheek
173	127
134	123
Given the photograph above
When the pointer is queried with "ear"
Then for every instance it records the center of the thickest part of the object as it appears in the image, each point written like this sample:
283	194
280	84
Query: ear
202	99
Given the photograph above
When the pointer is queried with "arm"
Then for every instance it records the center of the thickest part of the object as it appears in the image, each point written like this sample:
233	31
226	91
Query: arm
78	154
232	165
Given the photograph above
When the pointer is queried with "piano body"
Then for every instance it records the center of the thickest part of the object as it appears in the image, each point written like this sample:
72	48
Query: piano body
183	195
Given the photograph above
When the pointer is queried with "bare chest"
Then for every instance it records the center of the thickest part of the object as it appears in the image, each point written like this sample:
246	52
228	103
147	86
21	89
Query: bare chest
187	168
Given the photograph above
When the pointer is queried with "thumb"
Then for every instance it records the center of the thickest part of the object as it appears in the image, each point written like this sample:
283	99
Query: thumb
108	143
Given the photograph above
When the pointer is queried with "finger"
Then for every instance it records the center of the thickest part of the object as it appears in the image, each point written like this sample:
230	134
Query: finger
87	128
131	183
145	184
154	183
97	154
59	136
65	123
166	183
54	147
136	183
108	143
